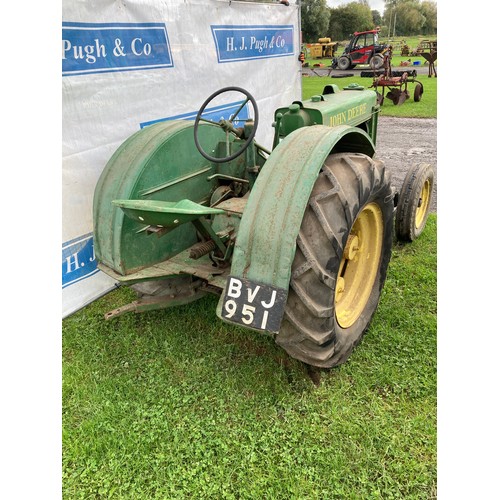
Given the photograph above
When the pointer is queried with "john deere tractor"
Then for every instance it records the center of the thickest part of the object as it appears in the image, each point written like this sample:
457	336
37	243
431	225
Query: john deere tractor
295	240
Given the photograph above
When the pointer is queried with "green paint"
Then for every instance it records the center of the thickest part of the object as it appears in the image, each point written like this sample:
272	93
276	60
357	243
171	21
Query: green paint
158	163
157	178
352	106
265	245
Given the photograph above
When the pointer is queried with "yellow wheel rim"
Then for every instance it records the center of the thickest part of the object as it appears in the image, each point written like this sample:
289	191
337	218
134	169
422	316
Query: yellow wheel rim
423	204
359	265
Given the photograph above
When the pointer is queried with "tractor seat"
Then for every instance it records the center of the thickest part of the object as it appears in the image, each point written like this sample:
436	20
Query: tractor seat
165	214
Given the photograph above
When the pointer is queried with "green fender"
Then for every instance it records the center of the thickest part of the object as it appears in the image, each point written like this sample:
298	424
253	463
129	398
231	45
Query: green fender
159	163
266	241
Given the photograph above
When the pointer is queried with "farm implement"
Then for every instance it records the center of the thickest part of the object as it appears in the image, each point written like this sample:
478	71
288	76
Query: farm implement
295	240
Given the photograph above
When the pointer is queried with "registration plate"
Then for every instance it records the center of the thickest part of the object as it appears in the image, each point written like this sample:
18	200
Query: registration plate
253	305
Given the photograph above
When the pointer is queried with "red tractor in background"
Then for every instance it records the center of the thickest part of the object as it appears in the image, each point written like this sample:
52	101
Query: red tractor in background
363	48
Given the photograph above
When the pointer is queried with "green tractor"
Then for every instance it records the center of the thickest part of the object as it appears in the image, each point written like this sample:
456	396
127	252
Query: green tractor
296	241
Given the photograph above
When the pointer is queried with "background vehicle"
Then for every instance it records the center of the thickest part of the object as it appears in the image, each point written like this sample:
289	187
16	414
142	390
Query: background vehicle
363	48
325	48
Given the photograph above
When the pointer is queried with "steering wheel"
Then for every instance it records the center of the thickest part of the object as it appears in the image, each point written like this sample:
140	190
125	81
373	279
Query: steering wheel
226	125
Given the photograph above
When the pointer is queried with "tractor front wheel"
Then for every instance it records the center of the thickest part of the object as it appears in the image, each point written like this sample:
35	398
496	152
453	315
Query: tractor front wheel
344	63
343	250
414	202
376	62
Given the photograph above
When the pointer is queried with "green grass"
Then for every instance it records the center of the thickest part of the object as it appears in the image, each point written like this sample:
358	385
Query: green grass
425	108
178	404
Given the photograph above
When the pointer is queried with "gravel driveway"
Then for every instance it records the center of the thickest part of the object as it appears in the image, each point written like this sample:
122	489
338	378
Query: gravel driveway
403	142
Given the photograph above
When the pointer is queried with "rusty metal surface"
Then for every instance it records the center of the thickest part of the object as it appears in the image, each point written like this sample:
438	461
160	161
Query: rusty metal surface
180	264
431	58
397	88
233	205
155	303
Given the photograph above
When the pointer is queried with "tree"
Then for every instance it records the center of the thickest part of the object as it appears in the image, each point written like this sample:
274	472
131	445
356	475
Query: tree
429	11
347	19
315	16
377	18
410	17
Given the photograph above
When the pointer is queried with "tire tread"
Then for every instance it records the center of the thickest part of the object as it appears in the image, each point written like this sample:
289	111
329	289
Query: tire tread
309	332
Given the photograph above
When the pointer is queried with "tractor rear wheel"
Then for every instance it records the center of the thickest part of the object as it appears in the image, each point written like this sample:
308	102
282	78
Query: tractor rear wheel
414	202
343	250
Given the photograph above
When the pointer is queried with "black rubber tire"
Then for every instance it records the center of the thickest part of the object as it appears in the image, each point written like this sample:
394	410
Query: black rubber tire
418	91
310	331
406	225
376	62
344	63
371	74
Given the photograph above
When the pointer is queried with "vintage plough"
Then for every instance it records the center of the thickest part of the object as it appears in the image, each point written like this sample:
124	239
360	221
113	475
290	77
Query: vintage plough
397	85
397	88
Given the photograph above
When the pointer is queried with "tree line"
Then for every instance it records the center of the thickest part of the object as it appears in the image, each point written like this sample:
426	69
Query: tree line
401	18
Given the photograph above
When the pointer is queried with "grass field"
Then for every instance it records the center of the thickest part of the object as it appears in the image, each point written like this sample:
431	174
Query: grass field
425	108
177	404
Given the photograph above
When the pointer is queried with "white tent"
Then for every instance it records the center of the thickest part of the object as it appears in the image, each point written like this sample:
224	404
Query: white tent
129	64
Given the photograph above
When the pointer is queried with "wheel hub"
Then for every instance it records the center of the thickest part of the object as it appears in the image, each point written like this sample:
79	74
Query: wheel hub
352	247
359	266
423	203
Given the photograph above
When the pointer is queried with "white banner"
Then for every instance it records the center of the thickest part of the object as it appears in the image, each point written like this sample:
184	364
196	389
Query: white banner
129	64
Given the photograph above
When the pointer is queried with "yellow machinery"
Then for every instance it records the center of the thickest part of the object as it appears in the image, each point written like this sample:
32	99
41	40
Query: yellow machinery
325	48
